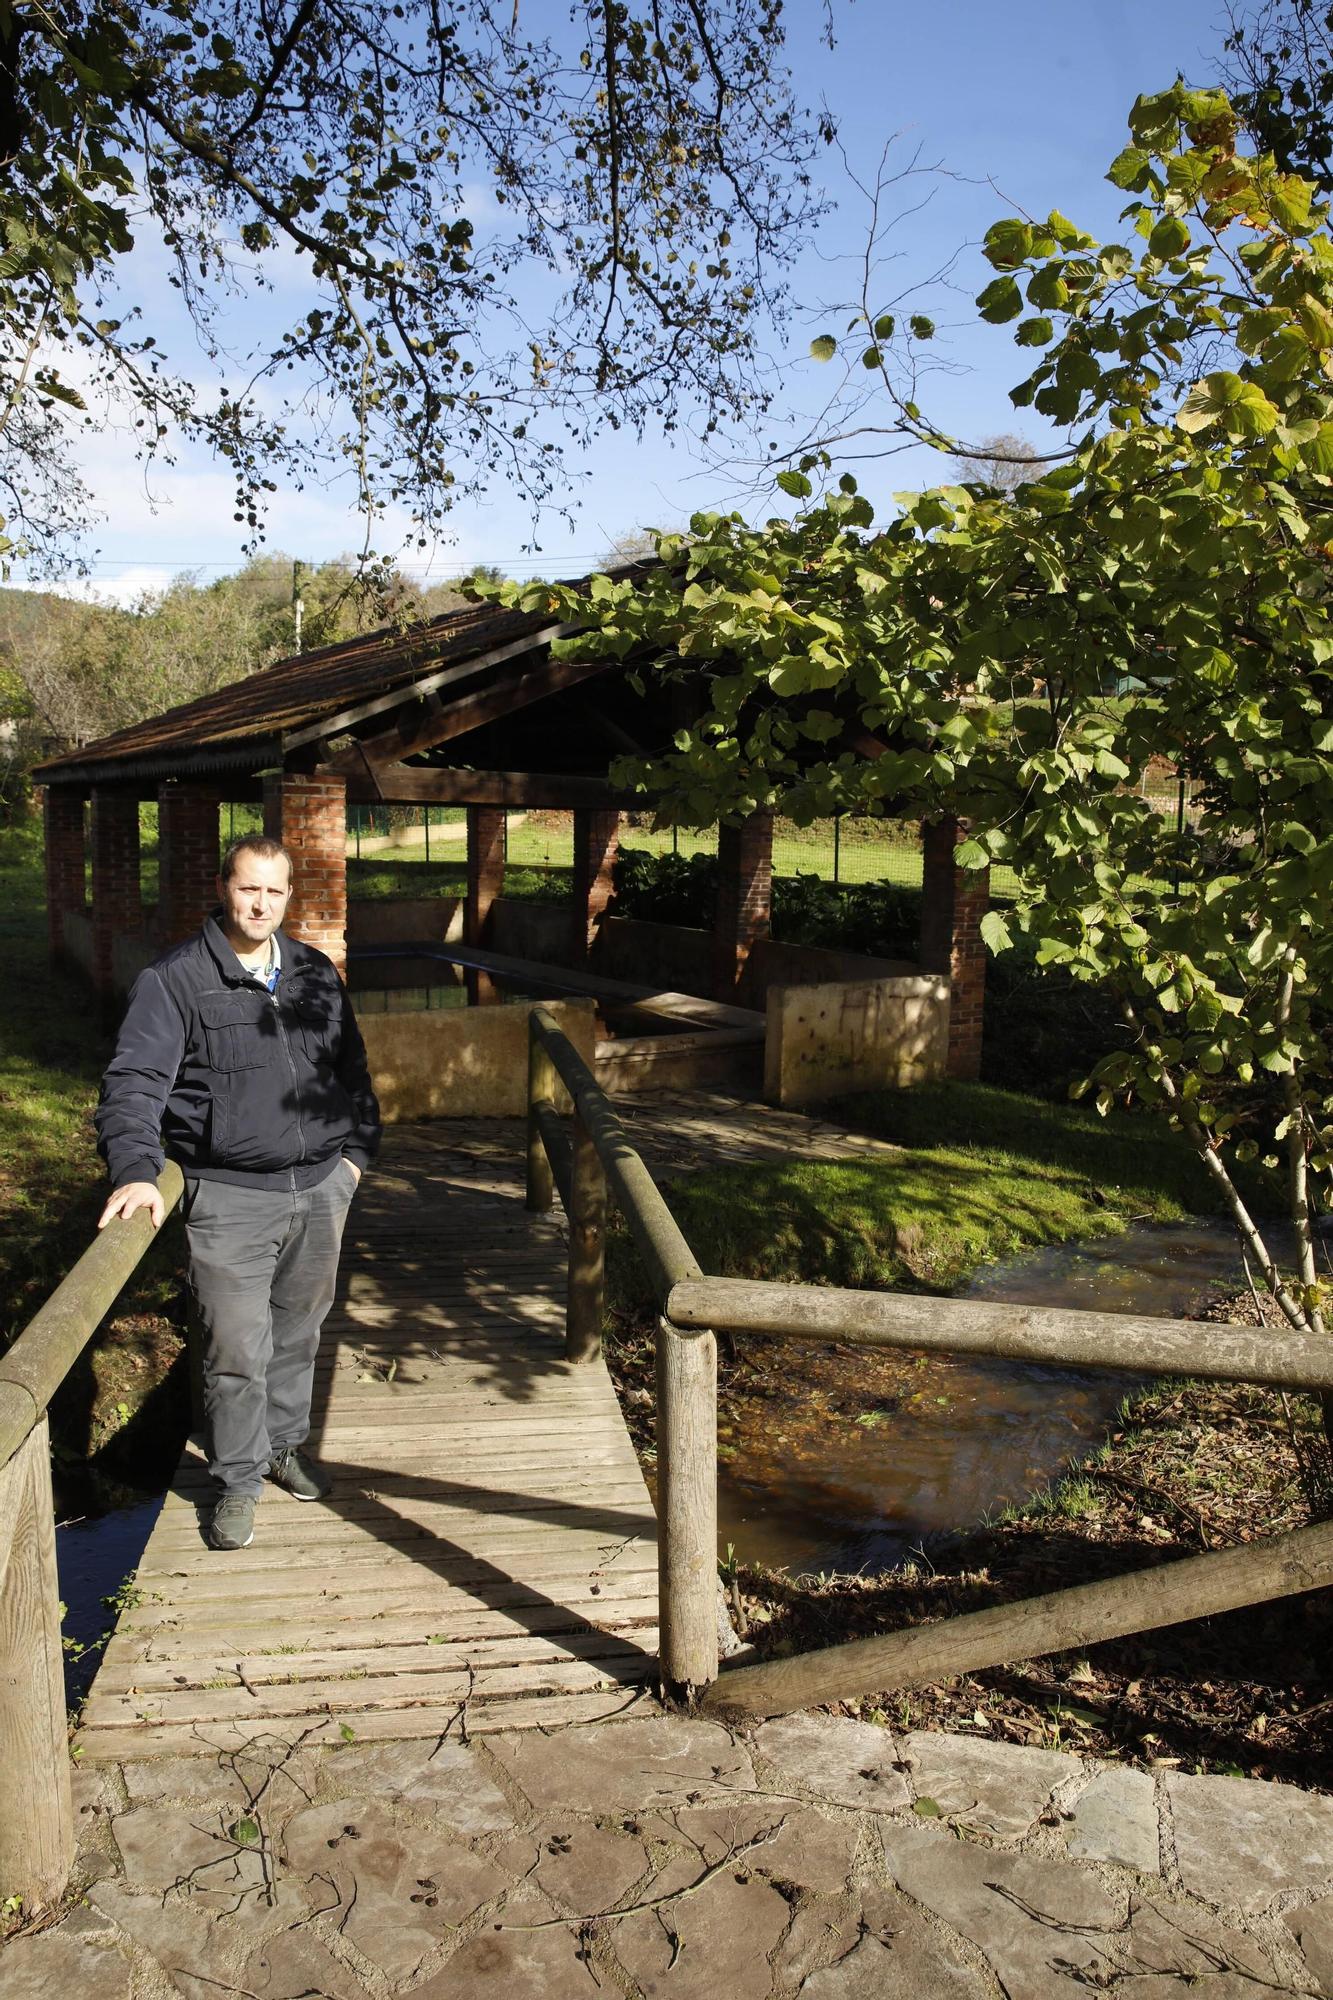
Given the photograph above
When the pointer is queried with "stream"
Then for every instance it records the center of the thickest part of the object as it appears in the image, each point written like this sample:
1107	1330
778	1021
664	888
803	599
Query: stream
850	1466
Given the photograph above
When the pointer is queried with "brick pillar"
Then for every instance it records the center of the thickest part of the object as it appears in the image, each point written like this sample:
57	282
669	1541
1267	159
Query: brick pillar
62	824
744	898
309	816
596	840
187	858
117	908
953	902
485	869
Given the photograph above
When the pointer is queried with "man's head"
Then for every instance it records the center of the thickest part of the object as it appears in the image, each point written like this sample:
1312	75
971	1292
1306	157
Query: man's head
254	888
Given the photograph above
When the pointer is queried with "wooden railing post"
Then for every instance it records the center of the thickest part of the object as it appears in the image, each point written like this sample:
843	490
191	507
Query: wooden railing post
541	1089
687	1508
587	1249
36	1806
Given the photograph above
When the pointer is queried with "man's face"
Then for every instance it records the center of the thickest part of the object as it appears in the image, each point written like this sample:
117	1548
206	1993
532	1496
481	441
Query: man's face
254	899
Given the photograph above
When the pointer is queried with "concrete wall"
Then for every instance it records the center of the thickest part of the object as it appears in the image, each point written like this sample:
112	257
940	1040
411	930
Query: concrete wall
539	931
672	957
79	938
869	1034
415	920
129	956
772	964
464	1062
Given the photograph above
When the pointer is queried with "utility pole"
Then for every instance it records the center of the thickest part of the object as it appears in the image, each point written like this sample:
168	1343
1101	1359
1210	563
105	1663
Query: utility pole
298	602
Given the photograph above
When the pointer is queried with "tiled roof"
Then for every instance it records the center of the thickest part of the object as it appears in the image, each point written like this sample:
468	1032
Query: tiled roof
254	714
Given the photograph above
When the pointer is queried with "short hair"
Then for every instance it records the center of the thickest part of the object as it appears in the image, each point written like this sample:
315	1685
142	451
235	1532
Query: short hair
261	844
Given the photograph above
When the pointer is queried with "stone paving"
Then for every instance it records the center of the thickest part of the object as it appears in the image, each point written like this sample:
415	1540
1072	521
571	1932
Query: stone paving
663	1856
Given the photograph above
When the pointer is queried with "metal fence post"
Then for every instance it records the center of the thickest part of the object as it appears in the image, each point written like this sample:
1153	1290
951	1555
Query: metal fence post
687	1508
587	1249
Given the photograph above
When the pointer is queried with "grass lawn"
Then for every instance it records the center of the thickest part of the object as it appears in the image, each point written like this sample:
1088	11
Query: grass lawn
116	1409
983	1173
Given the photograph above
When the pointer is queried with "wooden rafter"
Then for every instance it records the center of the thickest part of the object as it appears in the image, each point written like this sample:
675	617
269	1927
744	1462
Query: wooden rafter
468	712
426	685
420	784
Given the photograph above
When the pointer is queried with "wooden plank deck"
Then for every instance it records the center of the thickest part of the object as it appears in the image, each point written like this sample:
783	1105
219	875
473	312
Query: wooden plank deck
488	1557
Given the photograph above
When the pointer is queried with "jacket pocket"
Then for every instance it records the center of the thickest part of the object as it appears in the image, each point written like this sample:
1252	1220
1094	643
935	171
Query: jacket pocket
240	1031
319	1017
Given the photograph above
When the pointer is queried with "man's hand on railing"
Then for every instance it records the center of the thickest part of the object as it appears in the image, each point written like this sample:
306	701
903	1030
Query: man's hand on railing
128	1200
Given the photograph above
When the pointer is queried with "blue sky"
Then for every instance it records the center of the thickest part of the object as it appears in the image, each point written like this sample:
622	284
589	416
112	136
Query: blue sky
1022	101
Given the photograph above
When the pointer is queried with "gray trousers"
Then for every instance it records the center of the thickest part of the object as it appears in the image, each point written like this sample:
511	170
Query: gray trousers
263	1269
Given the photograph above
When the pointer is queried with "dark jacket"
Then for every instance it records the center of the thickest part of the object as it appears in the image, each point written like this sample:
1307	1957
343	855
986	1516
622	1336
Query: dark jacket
232	1082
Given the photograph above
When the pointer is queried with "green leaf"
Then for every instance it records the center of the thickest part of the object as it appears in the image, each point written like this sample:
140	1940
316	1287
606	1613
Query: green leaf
884	326
1009	243
823	347
922	327
1317	452
245	1832
871	358
1169	237
796	484
1000	301
995	931
1129	170
1035	333
347	1733
927	1808
1241	407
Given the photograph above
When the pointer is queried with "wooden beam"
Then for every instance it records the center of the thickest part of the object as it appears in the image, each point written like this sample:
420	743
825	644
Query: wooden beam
420	784
472	711
426	684
1061	1337
1086	1615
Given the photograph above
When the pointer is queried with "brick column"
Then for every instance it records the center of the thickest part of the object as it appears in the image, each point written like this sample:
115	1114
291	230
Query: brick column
596	840
62	825
187	858
744	898
485	869
117	907
309	816
953	902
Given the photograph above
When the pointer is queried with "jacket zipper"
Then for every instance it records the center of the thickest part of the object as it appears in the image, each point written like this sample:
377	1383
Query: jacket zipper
296	1087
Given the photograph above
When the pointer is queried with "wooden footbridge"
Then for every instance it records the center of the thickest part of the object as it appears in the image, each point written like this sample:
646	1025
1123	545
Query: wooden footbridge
489	1556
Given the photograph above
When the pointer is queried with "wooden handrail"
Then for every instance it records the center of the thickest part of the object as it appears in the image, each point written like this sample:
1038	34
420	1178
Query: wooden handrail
693	1306
603	1160
654	1228
36	1804
41	1357
1215	1352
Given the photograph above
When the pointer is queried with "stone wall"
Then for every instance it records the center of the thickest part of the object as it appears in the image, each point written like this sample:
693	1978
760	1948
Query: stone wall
871	1034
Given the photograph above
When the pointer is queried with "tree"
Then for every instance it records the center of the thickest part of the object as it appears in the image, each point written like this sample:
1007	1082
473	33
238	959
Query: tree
89	668
1279	70
1004	461
955	659
648	169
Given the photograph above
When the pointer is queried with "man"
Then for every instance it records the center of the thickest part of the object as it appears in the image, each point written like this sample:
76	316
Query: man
239	1057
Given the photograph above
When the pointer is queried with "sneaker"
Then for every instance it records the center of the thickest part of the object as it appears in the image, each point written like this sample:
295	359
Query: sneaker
295	1472
233	1522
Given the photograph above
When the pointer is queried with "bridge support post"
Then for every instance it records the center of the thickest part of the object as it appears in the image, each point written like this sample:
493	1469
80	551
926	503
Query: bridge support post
687	1508
587	1249
541	1090
36	1804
